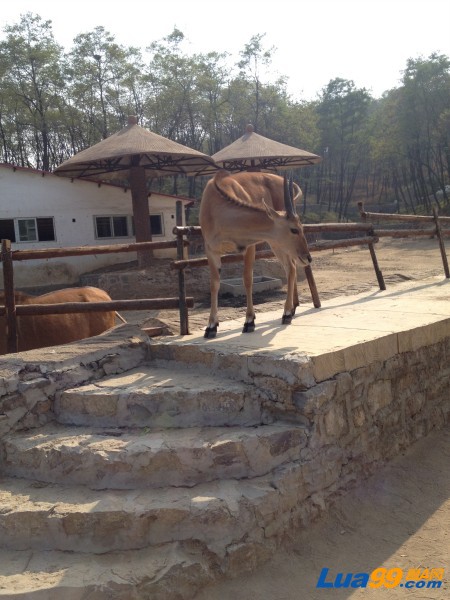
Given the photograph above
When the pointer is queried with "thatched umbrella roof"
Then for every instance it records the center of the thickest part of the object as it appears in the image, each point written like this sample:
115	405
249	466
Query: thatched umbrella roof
254	152
135	154
134	146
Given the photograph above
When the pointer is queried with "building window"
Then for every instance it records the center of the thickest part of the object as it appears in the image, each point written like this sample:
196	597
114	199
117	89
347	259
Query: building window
111	227
33	229
27	230
156	224
7	231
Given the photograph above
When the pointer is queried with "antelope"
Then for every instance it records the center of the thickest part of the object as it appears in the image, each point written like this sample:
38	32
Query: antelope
244	209
41	331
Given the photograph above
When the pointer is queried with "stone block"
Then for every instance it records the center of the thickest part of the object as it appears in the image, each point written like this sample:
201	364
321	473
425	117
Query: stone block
379	395
335	420
359	417
414	404
312	401
328	364
246	556
426	335
365	354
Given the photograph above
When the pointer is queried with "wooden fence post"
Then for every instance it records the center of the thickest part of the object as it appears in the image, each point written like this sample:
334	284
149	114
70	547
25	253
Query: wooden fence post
312	287
378	271
441	242
184	317
376	266
10	303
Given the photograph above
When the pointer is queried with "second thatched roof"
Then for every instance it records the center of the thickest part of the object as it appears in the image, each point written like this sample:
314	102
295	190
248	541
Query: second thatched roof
256	152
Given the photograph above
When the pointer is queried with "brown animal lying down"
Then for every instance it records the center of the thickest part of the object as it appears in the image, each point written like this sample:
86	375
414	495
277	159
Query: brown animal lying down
40	331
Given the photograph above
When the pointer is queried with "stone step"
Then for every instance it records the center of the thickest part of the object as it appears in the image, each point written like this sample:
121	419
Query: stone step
188	355
152	396
170	572
128	459
37	516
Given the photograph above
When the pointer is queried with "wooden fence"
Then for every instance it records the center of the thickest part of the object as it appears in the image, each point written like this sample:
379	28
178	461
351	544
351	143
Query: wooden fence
11	311
368	239
369	236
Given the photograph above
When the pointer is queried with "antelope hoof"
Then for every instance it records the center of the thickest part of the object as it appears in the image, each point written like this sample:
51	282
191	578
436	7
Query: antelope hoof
211	332
287	319
249	326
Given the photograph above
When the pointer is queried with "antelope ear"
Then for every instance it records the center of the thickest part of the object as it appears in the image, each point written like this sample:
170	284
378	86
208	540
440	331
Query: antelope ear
271	212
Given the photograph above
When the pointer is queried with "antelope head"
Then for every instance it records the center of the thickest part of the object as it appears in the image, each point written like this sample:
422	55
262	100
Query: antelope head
289	227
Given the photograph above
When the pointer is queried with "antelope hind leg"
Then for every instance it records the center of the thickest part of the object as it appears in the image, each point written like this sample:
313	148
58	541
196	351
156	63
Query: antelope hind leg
249	326
211	331
214	269
286	319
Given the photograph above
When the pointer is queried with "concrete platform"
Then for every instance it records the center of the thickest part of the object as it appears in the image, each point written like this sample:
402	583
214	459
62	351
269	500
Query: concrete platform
346	333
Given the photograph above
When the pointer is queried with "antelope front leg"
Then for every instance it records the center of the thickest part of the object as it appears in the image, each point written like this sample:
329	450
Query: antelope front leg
296	298
292	293
214	270
249	259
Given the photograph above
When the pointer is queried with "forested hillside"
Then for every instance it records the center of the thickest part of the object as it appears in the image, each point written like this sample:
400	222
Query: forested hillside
390	152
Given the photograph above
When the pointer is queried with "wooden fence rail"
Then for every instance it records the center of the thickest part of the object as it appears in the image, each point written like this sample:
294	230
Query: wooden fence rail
85	307
18	255
438	231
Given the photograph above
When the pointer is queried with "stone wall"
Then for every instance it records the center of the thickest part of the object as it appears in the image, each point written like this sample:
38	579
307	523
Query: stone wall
356	419
361	419
30	381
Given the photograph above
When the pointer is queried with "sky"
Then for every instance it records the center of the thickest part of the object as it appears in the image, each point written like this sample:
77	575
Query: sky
315	41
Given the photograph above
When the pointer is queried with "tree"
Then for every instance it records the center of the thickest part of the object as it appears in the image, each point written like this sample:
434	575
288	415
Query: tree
424	110
32	82
105	83
184	100
253	58
343	113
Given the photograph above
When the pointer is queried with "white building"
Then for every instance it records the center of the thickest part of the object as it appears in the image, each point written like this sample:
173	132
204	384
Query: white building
40	210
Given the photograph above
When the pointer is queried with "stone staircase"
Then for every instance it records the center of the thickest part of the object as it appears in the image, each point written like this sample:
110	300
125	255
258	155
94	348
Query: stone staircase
148	485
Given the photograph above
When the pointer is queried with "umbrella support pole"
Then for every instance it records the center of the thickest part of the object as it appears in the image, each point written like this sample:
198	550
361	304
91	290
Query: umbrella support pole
184	315
141	213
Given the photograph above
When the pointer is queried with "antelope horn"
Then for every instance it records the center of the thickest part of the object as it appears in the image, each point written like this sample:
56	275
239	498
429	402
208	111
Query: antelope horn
291	193
290	211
